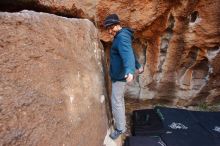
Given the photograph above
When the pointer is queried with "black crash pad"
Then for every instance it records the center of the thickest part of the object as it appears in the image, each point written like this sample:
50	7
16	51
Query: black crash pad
210	121
143	141
176	119
146	122
194	136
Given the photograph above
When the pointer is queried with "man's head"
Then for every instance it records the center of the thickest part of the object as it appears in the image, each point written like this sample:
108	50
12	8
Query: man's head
112	24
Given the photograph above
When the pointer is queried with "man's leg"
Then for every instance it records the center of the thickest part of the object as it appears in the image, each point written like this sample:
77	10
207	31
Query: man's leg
118	107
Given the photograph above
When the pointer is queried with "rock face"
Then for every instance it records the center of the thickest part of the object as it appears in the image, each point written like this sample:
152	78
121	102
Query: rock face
178	43
51	81
69	8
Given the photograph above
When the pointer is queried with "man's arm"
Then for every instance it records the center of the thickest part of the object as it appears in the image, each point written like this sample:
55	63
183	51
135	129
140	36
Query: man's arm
127	55
138	66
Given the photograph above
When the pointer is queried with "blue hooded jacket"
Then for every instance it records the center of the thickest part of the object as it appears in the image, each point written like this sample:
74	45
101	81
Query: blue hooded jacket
122	58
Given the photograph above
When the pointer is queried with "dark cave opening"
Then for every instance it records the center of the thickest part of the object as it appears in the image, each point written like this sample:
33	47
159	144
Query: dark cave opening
193	17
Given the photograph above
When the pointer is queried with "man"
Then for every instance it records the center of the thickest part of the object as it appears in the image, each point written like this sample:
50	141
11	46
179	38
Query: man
123	65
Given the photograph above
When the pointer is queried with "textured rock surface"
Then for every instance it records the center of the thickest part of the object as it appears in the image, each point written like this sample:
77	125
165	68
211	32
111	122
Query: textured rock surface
51	81
70	8
178	42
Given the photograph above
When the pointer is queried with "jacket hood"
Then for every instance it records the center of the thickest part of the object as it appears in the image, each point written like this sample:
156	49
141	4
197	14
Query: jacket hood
126	30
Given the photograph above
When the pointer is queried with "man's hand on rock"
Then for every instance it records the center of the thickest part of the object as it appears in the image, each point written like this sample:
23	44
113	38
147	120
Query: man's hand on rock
141	70
129	78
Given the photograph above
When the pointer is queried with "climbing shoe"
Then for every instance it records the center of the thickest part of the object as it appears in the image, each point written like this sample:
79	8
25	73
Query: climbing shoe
115	134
